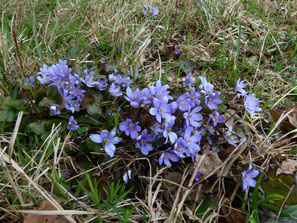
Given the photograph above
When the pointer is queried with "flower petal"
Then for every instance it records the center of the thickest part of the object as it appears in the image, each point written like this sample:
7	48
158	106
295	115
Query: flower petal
96	138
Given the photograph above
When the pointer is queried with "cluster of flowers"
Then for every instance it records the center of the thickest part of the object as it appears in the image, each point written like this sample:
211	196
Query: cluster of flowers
178	125
71	87
148	9
180	139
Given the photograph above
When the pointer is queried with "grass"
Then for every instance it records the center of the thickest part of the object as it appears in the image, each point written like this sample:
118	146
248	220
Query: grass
224	40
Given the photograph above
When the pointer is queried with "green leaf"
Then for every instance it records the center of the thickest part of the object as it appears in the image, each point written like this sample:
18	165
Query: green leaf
94	109
13	104
8	116
52	92
46	102
83	129
38	128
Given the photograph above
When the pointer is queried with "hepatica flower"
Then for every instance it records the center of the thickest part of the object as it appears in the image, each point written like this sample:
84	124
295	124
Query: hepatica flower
30	81
130	128
127	176
239	88
167	156
193	117
212	100
251	104
161	110
188	80
216	118
183	103
247	177
229	136
135	98
108	140
101	84
72	124
160	91
143	142
115	90
206	87
192	141
54	108
148	9
168	133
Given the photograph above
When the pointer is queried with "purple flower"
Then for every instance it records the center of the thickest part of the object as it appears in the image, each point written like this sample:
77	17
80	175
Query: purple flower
193	117
230	137
161	109
217	118
183	103
240	85
115	90
89	81
75	79
72	105
108	140
168	133
54	108
143	142
155	10
45	75
210	129
77	92
192	140
127	81
188	80
127	176
251	104
147	96
167	156
194	97
180	147
101	84
206	88
72	124
176	52
198	175
160	91
133	97
247	178
212	100
30	81
149	9
130	128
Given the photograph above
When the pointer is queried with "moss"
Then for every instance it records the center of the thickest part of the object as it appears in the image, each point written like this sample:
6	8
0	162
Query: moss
280	185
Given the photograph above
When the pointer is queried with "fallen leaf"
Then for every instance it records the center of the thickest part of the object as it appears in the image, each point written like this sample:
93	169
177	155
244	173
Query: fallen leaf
286	126
45	206
210	163
288	166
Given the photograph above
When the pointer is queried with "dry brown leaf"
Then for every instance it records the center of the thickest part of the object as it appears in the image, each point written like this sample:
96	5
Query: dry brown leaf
288	166
286	126
210	163
45	206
